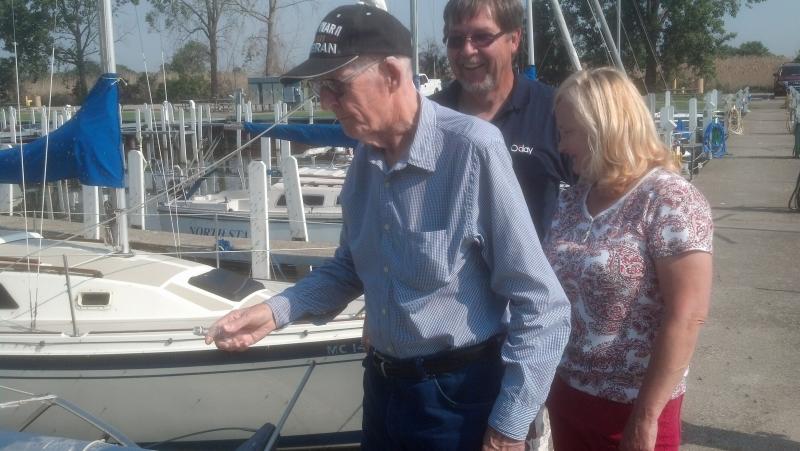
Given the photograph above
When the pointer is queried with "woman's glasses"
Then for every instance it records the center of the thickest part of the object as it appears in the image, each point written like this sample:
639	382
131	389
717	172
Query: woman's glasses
478	40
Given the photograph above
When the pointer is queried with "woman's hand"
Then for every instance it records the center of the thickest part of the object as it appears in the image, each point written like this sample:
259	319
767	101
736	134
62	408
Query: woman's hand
639	434
240	329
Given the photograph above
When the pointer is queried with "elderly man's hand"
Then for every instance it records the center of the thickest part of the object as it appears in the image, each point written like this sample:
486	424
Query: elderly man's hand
240	329
495	441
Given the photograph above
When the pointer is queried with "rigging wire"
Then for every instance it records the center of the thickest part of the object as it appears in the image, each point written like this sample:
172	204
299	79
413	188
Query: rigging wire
636	65
21	150
47	130
650	44
161	157
597	26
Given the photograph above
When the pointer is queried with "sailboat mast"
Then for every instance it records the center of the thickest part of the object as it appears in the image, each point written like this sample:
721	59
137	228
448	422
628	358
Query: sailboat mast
110	67
415	41
562	25
530	70
612	48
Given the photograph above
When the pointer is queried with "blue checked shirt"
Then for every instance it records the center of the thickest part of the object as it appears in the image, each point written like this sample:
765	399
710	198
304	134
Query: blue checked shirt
442	245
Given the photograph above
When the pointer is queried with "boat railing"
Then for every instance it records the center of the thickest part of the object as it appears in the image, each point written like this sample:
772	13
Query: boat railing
47	401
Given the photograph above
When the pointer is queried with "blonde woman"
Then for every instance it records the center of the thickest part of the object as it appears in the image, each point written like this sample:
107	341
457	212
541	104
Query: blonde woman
631	244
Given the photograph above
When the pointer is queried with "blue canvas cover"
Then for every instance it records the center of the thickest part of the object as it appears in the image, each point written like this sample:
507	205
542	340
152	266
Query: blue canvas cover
312	134
87	147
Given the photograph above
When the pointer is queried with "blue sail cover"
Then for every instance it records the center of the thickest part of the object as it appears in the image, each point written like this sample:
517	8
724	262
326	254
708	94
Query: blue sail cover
87	147
312	134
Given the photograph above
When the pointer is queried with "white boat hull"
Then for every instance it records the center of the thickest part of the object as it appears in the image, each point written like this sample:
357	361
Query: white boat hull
237	225
152	397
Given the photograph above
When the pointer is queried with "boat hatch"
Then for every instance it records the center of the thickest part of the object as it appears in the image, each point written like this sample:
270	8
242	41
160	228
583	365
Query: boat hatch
226	284
94	299
6	301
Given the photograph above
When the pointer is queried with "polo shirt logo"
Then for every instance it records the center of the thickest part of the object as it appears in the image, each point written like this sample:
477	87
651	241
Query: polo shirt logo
521	148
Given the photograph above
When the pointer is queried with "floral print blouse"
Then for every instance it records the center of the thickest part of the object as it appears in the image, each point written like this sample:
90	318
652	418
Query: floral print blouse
606	265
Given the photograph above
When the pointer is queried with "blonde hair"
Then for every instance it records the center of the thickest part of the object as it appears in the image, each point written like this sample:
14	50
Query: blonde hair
623	142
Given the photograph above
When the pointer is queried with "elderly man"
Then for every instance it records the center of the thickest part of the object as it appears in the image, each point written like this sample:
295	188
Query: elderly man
437	238
482	37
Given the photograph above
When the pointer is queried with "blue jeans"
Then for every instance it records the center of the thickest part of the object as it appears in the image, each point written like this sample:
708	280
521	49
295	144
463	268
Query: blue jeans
447	411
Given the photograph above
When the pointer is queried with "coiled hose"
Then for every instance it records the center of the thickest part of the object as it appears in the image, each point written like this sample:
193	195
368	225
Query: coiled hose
714	139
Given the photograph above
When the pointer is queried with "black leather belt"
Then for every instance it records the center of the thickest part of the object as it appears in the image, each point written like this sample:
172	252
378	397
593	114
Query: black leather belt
443	362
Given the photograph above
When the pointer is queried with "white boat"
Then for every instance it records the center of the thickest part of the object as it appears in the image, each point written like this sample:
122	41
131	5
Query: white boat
116	334
227	214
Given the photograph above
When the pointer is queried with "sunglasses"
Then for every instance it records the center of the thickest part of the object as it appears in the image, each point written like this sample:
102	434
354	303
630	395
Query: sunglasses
478	40
338	87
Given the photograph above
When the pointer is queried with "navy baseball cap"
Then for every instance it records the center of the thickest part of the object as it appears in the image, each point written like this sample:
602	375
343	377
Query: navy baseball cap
348	32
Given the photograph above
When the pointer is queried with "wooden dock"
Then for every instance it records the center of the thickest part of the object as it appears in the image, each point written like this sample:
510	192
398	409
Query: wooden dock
292	253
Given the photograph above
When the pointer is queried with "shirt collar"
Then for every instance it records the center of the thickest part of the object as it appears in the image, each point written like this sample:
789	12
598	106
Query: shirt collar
425	146
516	101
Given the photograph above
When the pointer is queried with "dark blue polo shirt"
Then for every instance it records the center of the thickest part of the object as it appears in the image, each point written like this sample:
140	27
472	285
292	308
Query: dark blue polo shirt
529	128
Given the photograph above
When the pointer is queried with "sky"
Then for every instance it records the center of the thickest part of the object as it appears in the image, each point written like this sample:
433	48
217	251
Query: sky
773	22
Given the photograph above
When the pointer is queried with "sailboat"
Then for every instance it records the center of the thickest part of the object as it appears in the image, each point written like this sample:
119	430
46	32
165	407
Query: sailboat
120	333
119	336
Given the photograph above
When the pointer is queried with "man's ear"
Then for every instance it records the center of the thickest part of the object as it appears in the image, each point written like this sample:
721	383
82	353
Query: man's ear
516	39
393	72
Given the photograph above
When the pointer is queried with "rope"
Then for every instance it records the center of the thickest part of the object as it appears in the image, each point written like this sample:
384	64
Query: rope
714	139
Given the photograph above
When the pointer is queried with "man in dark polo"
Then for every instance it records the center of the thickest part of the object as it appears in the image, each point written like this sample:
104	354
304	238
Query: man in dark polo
482	38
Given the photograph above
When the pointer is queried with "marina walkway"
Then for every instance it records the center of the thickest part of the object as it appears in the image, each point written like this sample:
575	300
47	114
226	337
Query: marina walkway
744	385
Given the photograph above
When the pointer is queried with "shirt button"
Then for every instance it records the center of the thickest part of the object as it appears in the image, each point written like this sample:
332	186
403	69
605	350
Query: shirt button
383	310
386	227
386	184
385	269
391	349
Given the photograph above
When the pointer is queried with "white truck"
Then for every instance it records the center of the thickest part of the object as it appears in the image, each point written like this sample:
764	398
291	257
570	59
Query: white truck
428	86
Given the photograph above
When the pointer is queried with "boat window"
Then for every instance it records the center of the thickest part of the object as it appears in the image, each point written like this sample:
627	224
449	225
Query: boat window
309	200
90	299
312	200
6	301
226	284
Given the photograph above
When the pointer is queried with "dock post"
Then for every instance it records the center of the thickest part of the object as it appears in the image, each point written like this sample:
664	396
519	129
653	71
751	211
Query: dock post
3	120
294	200
693	117
193	130
91	211
239	159
7	199
259	219
651	103
13	124
182	136
667	98
310	109
136	193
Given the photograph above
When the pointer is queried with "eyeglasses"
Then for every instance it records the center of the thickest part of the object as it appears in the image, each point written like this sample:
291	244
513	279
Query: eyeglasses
478	40
338	87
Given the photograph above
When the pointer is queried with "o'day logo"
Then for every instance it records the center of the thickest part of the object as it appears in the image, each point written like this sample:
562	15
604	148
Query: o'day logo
325	32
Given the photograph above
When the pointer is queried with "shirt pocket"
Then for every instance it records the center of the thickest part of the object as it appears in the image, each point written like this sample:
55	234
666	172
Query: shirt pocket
426	261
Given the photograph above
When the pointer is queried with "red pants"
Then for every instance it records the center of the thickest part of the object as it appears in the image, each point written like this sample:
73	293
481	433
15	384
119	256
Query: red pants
582	422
